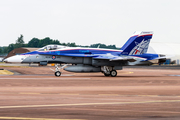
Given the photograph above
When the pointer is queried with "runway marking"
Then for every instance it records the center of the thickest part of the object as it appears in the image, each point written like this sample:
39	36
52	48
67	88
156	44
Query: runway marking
22	118
29	93
67	94
94	94
45	78
84	104
148	96
109	94
126	72
5	72
161	112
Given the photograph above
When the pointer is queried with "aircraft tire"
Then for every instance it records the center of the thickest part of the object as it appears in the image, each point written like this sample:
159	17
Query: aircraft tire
113	73
57	73
105	74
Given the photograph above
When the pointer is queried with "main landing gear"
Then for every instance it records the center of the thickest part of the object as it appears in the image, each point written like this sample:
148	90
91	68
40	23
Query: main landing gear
57	70
108	71
113	73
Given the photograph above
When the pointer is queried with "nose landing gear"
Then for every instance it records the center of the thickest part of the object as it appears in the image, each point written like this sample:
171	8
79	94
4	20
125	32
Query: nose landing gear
57	73
57	70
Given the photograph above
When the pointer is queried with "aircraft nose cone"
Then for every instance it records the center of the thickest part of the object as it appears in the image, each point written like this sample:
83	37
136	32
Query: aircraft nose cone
5	60
14	59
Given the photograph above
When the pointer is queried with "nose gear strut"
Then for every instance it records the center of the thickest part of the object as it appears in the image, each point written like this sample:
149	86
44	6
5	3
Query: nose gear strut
57	70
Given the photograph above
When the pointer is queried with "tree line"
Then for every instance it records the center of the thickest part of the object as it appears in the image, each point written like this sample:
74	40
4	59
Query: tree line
38	43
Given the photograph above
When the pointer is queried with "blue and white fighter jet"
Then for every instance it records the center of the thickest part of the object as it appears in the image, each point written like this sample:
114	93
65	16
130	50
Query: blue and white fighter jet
107	61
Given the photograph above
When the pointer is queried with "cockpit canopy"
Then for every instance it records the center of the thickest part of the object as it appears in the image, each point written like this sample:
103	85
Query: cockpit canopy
51	47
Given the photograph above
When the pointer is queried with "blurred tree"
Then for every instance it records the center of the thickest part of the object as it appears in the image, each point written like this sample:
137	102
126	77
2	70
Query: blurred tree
111	47
5	50
45	41
33	42
20	40
10	48
1	50
56	42
73	45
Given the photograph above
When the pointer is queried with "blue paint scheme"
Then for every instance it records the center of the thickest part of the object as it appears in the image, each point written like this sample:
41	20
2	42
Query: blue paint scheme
76	52
104	54
131	43
130	40
135	47
107	61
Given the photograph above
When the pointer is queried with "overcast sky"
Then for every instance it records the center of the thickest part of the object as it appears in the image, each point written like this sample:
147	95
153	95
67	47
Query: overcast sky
88	22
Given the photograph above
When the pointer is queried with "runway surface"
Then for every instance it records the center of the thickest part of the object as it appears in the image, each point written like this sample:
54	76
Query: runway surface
34	93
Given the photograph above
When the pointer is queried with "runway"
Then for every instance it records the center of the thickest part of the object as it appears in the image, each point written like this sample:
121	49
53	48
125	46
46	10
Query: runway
135	94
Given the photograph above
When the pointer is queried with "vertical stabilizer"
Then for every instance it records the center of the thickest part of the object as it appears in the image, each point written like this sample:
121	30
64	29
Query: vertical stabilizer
137	44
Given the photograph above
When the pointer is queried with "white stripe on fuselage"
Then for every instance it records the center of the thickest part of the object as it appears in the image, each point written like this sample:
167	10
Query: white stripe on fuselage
79	48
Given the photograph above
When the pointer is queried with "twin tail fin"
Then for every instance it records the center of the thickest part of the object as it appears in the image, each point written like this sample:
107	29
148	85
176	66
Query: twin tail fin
137	44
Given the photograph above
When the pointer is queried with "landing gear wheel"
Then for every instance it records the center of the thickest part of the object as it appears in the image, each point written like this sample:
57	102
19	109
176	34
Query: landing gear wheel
106	74
113	73
57	73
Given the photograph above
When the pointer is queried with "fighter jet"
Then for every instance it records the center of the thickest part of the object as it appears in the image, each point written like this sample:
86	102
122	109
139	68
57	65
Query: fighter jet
107	61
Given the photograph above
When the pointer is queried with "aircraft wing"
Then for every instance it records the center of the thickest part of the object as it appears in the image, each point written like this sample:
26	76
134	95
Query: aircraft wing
118	58
108	56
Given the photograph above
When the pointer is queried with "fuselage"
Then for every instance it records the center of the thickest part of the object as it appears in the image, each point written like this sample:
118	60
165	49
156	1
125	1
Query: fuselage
77	55
134	52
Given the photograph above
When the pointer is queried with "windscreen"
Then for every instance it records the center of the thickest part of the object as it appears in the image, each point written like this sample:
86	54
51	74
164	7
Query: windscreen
51	47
